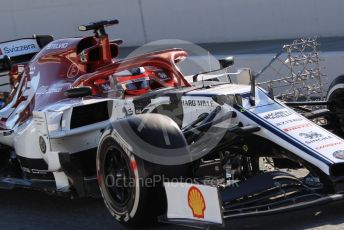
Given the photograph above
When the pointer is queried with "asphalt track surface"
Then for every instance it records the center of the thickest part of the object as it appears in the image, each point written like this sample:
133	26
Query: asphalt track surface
22	209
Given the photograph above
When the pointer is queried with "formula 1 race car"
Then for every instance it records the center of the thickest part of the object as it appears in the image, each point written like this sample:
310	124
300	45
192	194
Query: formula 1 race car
158	145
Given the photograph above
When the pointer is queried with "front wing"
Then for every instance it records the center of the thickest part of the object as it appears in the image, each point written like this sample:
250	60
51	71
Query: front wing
200	205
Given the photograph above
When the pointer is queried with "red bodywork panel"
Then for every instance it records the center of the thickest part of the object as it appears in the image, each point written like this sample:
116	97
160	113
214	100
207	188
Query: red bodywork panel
75	62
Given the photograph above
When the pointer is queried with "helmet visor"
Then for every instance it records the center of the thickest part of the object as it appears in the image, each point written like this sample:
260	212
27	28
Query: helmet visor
137	84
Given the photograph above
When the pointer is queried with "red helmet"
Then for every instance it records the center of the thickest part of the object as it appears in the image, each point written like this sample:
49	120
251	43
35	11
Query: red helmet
135	85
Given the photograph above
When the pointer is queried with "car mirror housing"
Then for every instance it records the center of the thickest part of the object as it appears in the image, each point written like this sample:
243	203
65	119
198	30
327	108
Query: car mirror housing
226	62
78	92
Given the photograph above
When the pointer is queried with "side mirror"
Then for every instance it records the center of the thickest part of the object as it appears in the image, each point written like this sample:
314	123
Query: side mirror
117	41
78	92
114	50
245	77
226	62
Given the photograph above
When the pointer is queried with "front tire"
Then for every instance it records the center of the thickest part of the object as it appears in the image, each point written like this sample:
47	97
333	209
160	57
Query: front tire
122	180
335	96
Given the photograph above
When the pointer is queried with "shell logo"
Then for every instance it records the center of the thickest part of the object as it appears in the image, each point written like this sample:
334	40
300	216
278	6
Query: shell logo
196	202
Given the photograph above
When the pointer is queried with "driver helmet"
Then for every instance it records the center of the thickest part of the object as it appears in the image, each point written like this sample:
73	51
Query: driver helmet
135	85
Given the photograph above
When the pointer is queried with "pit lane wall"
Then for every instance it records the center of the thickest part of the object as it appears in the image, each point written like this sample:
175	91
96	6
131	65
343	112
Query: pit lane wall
200	21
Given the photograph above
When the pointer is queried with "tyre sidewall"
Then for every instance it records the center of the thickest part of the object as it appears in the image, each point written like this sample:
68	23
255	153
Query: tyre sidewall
130	211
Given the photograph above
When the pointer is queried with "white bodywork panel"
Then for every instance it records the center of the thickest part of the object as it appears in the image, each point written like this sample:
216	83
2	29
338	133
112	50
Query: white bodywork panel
52	124
316	138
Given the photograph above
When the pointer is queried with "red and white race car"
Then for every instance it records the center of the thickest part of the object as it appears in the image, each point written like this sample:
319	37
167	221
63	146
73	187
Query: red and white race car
153	142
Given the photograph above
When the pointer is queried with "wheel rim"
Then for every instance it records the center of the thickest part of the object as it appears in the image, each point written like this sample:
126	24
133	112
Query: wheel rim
118	177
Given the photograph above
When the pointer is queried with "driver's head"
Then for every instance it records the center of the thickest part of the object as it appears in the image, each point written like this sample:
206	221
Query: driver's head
135	85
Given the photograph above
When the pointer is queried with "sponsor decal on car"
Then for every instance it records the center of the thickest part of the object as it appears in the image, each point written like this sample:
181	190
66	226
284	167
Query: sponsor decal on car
339	154
56	88
163	76
196	202
297	127
32	70
305	132
193	201
314	137
328	145
42	144
73	71
310	135
19	47
61	45
15	49
288	121
200	103
277	114
83	57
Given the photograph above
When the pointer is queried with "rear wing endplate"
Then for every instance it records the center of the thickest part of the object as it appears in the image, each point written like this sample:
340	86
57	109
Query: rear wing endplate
21	51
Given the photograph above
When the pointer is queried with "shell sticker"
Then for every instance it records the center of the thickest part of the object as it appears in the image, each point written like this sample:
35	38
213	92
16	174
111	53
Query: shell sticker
196	202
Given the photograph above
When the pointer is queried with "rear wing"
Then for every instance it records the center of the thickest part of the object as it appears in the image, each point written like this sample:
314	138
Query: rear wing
21	51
